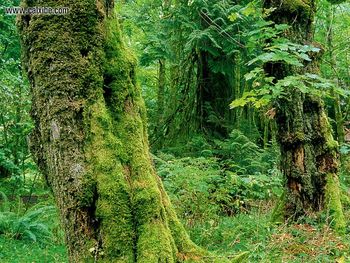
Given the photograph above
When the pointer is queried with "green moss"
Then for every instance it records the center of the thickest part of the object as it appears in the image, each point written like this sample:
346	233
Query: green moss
297	5
119	67
88	186
333	204
149	247
326	132
113	210
133	222
299	136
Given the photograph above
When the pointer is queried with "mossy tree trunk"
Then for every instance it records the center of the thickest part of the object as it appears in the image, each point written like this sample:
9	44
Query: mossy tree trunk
90	138
308	151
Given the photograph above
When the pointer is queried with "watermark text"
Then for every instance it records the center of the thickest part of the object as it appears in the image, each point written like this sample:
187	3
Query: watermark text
36	10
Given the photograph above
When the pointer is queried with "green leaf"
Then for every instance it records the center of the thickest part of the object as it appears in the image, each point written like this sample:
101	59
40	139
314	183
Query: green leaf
238	103
282	27
304	56
234	16
249	10
253	74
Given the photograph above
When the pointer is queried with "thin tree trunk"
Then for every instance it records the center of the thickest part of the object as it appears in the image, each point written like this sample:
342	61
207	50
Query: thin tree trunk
237	89
161	90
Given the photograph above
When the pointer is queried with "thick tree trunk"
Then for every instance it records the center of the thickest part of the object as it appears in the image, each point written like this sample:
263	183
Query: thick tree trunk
90	138
309	152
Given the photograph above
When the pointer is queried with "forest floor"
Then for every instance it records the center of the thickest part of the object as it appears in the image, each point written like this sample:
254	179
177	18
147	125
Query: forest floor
224	210
306	241
250	231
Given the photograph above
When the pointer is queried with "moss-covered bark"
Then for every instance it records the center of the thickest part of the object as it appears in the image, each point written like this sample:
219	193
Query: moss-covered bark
90	139
309	152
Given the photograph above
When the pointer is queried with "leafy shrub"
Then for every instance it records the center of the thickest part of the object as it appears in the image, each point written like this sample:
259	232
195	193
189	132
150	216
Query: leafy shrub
224	177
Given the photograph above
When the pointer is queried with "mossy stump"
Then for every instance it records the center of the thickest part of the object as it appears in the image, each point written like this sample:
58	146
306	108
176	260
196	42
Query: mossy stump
309	154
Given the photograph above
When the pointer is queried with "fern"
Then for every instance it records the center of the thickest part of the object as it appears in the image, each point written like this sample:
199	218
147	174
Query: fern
33	225
204	187
4	202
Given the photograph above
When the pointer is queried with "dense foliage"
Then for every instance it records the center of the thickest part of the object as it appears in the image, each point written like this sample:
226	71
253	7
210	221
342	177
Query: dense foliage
212	127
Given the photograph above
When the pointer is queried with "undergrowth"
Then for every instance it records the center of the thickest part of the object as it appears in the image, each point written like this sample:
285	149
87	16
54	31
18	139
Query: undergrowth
223	192
253	232
221	178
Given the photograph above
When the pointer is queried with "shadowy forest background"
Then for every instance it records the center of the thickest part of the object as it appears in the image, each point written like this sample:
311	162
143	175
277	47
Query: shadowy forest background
248	121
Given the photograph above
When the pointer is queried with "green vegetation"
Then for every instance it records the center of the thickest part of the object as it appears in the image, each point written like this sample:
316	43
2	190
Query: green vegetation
178	131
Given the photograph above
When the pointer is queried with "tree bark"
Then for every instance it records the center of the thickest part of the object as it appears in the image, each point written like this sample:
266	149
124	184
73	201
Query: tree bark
309	154
90	138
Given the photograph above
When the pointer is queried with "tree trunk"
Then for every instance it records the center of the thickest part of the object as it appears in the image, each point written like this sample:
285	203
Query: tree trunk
309	154
213	94
161	91
90	138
